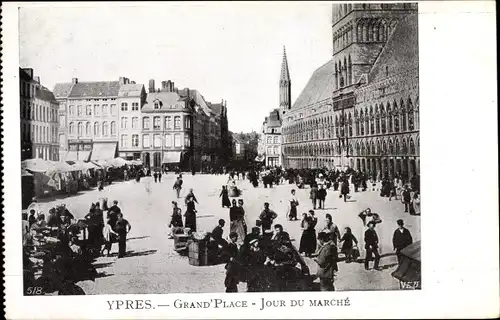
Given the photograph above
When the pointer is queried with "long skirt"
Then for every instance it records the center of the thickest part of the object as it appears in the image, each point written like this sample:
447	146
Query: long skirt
238	227
190	220
225	201
308	242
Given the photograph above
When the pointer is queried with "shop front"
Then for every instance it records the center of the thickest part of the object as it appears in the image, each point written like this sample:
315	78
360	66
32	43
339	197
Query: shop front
78	150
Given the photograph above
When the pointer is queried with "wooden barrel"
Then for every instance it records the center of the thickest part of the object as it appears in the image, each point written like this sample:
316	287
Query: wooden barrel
198	252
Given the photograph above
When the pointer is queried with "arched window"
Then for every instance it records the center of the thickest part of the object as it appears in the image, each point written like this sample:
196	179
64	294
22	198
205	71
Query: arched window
412	147
396	117
377	120
350	125
379	147
71	128
358	149
382	118
372	121
363	150
367	122
349	70
398	150
80	129
404	147
336	126
97	129
105	129
411	119
145	123
384	147
113	128
87	129
403	116
361	123
391	147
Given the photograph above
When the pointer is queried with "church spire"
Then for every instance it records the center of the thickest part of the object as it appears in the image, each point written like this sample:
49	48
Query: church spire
285	74
285	86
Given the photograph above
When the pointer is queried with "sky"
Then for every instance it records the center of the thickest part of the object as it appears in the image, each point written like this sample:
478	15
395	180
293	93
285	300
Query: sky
226	50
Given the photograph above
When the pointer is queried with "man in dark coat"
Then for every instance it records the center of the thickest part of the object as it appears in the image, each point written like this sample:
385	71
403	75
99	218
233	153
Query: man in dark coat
371	246
113	213
401	239
327	262
407	198
267	216
122	228
344	188
322	196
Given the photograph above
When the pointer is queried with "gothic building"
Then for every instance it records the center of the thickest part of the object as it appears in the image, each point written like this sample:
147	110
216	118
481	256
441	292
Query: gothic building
360	109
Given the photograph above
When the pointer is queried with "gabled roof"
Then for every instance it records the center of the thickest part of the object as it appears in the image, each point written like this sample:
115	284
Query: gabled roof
401	50
62	90
23	75
166	100
130	90
95	89
45	94
216	107
319	87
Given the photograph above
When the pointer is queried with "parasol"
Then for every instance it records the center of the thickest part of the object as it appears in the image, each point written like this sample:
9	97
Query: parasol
36	165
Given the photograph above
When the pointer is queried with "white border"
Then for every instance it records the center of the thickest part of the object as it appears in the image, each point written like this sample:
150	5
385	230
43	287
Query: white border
458	108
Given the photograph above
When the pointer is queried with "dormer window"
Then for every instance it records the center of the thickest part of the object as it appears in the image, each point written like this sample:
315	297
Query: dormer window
157	104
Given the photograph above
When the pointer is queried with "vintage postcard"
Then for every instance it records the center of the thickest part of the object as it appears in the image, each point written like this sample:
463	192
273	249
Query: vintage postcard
238	160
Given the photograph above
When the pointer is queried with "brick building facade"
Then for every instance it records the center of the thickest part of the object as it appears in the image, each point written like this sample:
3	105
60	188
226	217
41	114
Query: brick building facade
39	120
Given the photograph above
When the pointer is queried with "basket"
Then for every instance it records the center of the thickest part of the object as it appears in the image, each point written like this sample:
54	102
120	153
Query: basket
180	242
198	252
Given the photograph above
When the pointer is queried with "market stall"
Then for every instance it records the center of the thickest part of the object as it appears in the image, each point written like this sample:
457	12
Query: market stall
408	272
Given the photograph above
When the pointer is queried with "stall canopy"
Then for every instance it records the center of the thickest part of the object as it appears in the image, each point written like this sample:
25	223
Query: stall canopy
172	157
36	165
103	151
118	162
409	268
80	165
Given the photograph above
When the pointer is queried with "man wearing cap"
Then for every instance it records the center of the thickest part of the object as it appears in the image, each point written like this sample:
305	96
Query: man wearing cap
267	216
401	239
327	262
371	246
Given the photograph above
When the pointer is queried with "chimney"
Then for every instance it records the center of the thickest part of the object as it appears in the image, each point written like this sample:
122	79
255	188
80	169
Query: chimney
121	80
151	86
37	79
127	81
172	86
74	80
164	86
168	85
29	71
132	82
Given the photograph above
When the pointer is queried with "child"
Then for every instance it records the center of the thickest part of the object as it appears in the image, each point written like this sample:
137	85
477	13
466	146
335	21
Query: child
108	241
347	246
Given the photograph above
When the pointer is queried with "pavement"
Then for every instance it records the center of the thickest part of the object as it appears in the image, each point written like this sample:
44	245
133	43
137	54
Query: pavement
153	267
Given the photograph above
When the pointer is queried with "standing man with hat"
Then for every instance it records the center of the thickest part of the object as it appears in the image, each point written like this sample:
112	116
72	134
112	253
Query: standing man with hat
371	246
327	262
401	239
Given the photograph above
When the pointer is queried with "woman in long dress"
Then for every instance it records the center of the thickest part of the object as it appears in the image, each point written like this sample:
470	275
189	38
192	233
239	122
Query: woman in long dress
190	214
308	238
416	203
225	197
